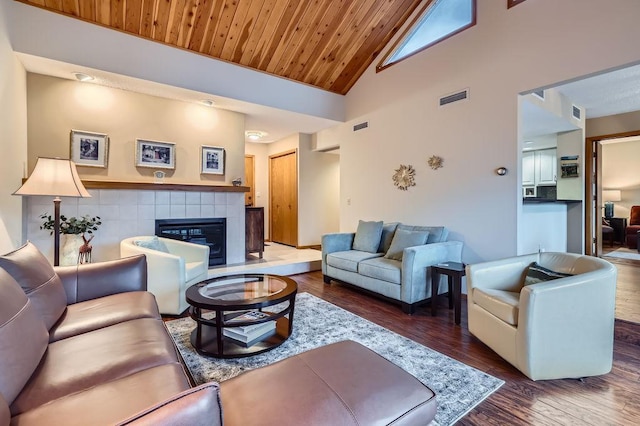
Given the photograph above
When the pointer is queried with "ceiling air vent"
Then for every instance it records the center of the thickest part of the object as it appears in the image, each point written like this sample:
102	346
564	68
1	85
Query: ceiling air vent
539	93
454	97
577	114
360	126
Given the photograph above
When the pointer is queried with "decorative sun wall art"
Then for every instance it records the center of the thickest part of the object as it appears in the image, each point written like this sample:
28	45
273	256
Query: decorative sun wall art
435	162
404	177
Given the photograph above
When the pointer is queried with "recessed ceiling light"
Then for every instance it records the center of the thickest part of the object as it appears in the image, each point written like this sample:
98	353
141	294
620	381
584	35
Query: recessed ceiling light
255	135
207	102
82	76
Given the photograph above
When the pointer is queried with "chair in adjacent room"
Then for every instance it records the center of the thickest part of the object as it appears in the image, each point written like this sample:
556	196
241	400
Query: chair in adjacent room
607	232
550	320
172	267
631	232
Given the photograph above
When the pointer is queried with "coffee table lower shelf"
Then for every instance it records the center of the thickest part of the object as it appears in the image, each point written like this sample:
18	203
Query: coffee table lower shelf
208	344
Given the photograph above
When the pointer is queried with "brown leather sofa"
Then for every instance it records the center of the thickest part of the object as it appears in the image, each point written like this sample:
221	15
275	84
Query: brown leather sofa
86	345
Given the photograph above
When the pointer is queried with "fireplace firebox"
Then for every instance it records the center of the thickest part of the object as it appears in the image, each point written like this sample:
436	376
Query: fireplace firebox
211	232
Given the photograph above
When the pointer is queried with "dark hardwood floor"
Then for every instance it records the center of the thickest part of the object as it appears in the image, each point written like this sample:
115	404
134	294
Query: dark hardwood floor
612	399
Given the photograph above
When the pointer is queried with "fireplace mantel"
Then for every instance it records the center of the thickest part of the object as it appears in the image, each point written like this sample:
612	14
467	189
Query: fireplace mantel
151	186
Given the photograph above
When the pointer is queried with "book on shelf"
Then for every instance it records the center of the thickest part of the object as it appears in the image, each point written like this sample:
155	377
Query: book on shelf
249	316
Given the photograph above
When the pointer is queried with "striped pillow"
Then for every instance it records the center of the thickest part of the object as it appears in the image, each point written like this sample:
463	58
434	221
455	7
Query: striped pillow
537	274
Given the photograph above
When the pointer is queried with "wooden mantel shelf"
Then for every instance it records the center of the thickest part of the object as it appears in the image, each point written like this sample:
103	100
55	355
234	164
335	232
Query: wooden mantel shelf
151	186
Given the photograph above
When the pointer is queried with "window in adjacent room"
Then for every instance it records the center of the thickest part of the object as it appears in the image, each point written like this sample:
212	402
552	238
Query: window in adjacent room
439	20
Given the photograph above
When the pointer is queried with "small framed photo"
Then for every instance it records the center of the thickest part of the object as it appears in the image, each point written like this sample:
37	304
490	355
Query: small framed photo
212	160
155	154
89	149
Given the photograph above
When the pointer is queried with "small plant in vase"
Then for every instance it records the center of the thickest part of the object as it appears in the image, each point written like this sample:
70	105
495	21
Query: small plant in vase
77	249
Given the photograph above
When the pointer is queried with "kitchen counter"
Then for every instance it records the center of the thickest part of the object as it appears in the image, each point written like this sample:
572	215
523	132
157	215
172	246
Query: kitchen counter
532	200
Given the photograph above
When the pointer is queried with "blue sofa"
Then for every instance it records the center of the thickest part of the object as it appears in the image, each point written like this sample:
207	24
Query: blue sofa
406	281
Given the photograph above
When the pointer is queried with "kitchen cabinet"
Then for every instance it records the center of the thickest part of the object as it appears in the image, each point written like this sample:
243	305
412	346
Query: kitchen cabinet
528	168
539	167
546	166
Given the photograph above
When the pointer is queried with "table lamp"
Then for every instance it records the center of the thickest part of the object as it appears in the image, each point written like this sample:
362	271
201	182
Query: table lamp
56	177
609	195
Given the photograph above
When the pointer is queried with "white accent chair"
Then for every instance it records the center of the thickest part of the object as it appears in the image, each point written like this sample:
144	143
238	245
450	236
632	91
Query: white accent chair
170	274
550	330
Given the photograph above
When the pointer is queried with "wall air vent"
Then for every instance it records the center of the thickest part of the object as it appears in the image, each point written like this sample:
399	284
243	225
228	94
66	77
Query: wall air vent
360	126
539	93
454	97
575	111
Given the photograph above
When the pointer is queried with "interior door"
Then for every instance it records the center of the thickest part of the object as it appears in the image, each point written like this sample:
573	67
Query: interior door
283	205
249	180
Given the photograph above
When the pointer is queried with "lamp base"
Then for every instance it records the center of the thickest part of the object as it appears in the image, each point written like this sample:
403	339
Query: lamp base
608	210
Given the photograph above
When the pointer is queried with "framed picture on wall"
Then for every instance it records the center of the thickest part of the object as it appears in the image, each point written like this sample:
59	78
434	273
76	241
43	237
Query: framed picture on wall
155	154
212	160
89	149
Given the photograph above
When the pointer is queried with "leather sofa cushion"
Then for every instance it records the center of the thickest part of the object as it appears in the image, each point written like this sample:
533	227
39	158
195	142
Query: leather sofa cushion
39	281
382	269
333	385
23	338
194	270
500	303
111	402
348	260
195	406
81	362
102	312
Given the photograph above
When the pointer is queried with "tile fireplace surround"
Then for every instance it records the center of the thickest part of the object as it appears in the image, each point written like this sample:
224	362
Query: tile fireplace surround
131	212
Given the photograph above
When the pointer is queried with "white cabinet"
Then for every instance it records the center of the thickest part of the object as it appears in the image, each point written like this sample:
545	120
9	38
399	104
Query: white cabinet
539	167
546	165
528	168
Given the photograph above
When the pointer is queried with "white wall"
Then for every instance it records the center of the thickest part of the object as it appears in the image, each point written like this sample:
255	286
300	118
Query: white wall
13	139
535	44
318	193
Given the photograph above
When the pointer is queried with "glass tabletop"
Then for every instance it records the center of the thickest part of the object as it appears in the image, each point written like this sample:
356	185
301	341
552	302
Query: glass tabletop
242	288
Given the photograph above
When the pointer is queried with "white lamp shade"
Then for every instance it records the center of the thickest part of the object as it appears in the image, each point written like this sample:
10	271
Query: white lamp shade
56	177
611	195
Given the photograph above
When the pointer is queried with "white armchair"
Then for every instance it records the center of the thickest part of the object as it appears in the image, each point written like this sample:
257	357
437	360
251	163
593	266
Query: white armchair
170	274
555	329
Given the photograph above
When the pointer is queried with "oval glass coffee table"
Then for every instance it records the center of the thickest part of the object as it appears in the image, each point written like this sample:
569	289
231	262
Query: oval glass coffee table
230	318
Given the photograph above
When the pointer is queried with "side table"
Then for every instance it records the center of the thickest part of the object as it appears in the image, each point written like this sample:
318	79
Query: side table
454	272
619	225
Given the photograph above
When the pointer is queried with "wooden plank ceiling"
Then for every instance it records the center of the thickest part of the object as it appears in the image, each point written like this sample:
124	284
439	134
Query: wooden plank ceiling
324	43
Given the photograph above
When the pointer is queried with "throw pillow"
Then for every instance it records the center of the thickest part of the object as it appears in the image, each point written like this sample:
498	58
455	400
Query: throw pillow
38	280
368	236
153	244
388	230
403	239
537	274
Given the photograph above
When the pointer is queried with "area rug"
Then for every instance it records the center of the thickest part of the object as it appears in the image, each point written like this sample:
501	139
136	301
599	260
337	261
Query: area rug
458	387
624	253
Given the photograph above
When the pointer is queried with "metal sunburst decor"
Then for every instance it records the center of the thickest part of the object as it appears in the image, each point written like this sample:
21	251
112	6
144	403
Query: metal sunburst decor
435	162
404	177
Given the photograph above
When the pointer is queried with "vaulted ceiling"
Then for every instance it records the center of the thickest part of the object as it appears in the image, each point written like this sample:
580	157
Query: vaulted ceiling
324	43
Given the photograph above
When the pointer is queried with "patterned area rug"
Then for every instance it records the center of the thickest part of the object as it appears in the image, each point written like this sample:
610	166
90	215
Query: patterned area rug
458	387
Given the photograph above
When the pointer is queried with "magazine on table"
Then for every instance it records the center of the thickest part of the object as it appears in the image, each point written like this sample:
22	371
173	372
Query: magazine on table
250	316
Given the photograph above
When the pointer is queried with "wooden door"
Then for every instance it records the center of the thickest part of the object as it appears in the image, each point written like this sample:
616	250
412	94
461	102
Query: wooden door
283	204
249	173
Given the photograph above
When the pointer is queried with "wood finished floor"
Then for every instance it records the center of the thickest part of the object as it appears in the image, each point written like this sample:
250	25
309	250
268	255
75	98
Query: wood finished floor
612	399
628	288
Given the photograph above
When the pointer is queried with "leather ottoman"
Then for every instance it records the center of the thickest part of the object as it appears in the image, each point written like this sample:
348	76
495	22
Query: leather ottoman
344	383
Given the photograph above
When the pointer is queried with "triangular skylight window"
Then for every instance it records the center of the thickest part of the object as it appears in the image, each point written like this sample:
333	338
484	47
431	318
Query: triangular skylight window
439	20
